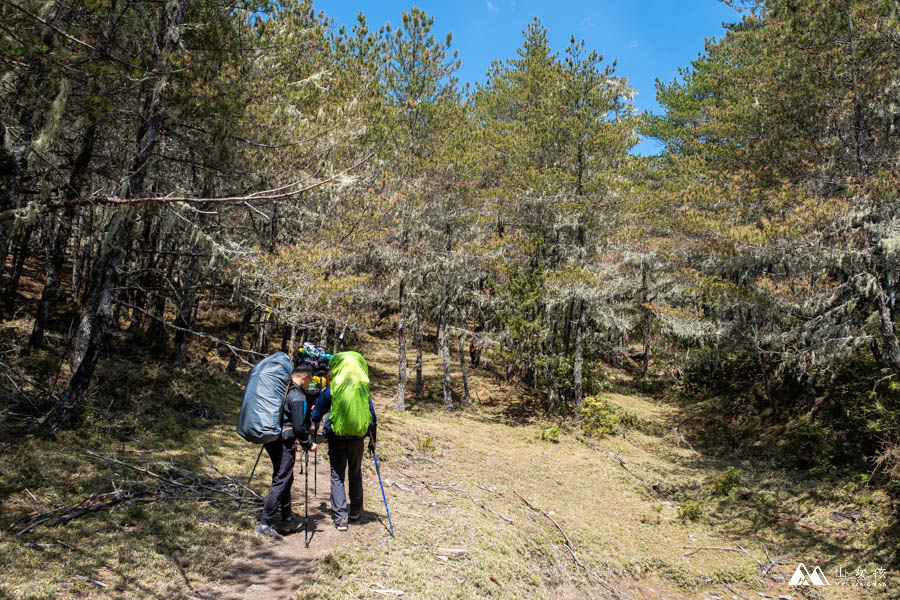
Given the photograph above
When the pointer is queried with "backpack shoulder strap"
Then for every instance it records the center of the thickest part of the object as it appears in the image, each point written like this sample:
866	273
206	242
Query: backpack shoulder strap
284	403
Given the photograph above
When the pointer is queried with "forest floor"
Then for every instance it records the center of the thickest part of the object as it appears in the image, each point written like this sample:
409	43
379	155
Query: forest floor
490	500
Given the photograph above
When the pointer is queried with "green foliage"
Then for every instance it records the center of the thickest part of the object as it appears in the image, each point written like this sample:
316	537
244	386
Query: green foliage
521	311
856	482
596	380
727	481
598	417
550	434
690	510
426	444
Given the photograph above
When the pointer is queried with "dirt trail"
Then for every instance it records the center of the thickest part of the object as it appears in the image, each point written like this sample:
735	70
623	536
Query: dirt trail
275	570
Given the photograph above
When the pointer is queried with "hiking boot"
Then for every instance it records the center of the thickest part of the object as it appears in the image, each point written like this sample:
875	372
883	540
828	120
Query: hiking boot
355	514
291	522
267	531
340	524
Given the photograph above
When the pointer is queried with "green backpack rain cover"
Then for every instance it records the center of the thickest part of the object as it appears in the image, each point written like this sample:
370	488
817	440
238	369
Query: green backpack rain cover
349	394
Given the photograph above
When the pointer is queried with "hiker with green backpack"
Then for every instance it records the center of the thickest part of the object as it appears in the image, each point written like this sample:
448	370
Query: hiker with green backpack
351	418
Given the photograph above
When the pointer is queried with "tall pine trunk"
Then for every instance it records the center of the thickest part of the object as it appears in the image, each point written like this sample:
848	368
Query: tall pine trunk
400	401
239	337
96	311
263	332
14	166
57	257
149	243
647	320
553	393
292	340
184	320
12	286
95	317
891	345
187	309
467	399
420	384
579	357
444	346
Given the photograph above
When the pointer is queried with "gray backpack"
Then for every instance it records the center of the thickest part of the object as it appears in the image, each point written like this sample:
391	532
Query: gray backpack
262	407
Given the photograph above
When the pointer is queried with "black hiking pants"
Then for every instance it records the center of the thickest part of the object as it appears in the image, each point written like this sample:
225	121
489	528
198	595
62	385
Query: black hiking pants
282	454
345	455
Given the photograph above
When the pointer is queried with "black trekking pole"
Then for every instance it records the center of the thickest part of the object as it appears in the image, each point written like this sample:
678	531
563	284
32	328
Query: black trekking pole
251	475
315	440
306	501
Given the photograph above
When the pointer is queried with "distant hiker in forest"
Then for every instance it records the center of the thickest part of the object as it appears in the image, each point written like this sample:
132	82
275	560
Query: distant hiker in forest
282	451
474	352
351	418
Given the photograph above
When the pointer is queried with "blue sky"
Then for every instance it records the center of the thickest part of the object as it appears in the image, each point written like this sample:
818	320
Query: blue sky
649	38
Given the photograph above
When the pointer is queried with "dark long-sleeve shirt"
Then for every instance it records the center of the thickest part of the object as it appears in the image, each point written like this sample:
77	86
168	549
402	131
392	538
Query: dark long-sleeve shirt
323	405
297	416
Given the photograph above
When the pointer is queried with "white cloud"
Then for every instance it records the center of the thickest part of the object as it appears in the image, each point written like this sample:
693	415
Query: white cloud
491	7
588	23
633	44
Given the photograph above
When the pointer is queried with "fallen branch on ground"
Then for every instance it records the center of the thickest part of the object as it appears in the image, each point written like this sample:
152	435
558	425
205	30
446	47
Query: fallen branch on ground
778	560
431	486
489	509
94	581
568	544
101	502
735	592
176	484
481	487
571	547
401	486
652	487
695	549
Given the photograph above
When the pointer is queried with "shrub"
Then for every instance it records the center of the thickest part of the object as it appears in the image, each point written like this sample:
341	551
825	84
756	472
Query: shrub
597	417
550	434
690	510
727	481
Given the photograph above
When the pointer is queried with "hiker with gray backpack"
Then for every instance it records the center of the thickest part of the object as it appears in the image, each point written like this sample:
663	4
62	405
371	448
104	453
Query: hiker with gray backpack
351	418
275	413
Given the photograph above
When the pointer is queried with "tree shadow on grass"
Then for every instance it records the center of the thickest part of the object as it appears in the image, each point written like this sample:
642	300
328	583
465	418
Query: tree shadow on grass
779	508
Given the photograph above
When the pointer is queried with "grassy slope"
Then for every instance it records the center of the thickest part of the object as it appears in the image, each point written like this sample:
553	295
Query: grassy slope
624	521
625	532
139	551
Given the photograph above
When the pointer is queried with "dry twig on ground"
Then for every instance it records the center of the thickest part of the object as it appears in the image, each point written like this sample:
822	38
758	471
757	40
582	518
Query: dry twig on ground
176	484
571	547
